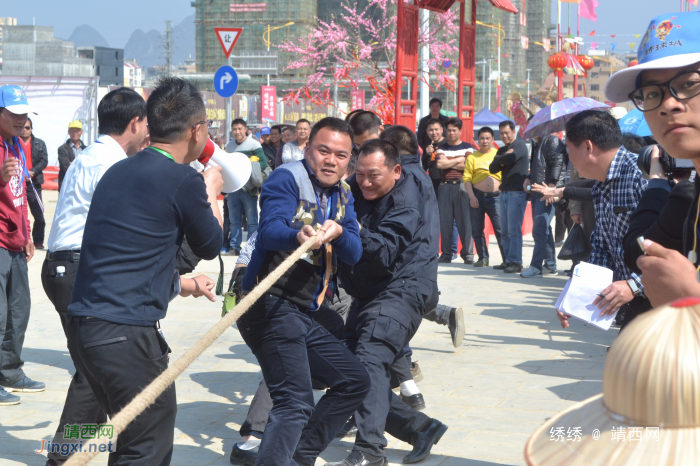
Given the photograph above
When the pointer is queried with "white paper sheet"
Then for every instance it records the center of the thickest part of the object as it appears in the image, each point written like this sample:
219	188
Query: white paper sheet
577	299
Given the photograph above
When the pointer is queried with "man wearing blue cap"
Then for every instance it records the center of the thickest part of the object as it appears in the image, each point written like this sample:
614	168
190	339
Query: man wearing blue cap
16	247
665	85
268	148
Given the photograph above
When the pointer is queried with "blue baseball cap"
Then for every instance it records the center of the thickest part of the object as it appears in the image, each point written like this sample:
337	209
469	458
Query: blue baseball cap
264	130
14	100
670	41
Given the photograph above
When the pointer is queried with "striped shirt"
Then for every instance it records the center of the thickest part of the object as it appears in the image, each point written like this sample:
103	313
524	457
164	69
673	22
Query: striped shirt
462	149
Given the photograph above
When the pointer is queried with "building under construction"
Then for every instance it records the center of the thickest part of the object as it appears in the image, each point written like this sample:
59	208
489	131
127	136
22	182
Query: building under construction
517	31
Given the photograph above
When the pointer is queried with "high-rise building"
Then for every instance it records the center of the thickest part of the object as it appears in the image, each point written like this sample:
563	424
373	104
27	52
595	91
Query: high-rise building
254	18
33	51
108	64
530	25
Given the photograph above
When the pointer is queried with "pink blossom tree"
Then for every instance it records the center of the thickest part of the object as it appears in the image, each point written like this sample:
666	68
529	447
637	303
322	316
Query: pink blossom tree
360	44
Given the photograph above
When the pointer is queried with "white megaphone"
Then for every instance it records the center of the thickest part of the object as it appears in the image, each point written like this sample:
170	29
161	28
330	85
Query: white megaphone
235	168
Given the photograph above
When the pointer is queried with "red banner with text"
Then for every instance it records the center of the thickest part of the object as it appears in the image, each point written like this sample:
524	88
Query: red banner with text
269	103
357	100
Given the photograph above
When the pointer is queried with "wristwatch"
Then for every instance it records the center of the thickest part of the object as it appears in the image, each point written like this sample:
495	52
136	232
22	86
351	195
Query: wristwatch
633	285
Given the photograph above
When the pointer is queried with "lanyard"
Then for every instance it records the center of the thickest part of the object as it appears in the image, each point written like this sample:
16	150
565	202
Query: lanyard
25	170
164	153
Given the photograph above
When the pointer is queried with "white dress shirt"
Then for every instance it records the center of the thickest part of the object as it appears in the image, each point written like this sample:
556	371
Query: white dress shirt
76	192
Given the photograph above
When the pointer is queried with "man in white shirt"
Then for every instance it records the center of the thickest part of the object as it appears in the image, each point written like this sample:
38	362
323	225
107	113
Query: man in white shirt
294	151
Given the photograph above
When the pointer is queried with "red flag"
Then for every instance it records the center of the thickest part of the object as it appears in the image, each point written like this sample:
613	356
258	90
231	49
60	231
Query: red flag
592	33
612	35
587	9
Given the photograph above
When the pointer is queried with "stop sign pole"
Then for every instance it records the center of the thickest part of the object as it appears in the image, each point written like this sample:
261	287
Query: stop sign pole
227	39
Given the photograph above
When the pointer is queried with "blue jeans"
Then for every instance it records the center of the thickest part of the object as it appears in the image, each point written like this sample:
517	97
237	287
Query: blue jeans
542	216
490	206
513	205
291	348
238	203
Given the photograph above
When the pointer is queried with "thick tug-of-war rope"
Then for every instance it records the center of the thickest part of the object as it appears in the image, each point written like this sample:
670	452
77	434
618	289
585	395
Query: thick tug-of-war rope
149	394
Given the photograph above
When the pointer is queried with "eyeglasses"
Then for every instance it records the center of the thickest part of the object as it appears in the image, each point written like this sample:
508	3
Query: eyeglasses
27	128
203	122
683	87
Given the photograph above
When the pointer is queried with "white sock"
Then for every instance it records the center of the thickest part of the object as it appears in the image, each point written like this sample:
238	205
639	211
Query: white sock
409	388
249	444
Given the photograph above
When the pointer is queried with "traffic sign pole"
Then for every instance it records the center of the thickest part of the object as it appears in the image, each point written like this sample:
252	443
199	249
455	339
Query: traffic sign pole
229	106
227	39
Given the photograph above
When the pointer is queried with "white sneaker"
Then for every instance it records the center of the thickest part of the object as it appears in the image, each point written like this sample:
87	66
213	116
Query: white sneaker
531	272
546	271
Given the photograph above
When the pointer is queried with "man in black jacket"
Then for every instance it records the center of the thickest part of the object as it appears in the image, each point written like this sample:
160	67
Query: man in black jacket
39	160
512	161
389	298
68	151
548	165
422	133
435	131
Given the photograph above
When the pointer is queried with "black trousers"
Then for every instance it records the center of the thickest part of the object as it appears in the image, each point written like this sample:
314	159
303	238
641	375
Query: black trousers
377	335
39	223
118	361
453	203
259	410
291	348
81	406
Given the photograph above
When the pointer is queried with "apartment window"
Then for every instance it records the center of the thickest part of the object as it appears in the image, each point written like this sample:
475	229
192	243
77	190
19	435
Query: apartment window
580	87
116	71
594	75
116	55
98	71
595	87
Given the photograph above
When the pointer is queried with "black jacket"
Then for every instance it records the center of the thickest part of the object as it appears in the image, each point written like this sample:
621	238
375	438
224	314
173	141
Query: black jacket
422	133
429	229
665	217
431	165
65	157
40	159
271	154
390	243
548	162
513	165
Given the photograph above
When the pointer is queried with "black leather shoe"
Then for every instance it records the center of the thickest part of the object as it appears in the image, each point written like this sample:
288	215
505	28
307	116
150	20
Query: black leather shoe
357	458
503	266
423	441
468	259
349	429
414	401
445	259
244	457
456	326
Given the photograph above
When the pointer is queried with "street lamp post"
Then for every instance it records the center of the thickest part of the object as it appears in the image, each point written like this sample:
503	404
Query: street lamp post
267	41
490	59
483	79
528	86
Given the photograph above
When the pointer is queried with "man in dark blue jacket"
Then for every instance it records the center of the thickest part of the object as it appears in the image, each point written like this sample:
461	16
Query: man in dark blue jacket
389	297
301	200
127	266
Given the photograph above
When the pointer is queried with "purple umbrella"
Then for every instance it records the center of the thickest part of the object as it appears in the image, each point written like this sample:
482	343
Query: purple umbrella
552	119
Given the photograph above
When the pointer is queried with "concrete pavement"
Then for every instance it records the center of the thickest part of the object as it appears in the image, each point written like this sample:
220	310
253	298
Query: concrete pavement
516	368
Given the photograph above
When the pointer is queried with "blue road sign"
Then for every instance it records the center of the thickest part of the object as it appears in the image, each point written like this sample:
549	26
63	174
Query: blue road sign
226	81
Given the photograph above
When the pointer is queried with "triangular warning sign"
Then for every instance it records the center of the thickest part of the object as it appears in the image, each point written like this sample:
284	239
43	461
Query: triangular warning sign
228	38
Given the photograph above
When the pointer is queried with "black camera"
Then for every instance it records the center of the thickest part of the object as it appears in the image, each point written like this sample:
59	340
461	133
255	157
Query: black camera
669	164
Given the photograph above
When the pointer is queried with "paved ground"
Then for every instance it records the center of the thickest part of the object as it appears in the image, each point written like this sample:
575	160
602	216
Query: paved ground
516	368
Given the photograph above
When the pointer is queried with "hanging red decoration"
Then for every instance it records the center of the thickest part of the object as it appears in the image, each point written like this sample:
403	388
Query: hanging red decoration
585	61
632	63
557	61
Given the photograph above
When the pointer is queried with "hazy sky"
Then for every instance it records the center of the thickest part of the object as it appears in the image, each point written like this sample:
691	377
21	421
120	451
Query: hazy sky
117	20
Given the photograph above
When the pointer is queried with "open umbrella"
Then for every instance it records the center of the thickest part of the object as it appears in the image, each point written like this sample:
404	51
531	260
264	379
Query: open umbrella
553	118
635	123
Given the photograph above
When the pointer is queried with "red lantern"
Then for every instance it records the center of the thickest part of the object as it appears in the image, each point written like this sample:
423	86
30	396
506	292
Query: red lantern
586	62
557	62
632	63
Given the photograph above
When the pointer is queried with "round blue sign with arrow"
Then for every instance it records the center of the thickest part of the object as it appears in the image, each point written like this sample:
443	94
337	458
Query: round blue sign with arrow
226	81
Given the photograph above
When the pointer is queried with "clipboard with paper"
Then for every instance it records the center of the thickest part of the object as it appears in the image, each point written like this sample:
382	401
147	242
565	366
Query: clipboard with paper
587	280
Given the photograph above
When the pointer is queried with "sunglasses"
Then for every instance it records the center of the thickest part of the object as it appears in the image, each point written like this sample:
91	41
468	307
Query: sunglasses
683	87
27	127
203	122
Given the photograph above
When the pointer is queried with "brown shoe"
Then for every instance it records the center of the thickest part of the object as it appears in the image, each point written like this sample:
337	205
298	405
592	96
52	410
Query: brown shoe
416	373
38	245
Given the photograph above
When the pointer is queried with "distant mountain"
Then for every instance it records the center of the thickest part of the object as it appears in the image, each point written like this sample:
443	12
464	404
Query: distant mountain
148	50
87	36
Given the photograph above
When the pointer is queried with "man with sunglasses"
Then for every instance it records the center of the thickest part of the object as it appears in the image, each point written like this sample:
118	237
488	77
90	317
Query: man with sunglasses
37	160
665	85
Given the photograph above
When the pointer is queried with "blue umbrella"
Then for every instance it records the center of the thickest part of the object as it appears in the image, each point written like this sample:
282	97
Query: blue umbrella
635	123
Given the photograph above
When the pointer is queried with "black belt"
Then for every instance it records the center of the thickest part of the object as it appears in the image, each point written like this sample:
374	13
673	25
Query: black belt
72	256
485	194
452	182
